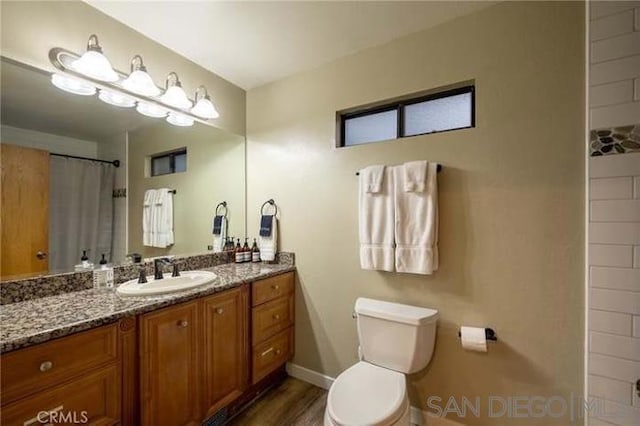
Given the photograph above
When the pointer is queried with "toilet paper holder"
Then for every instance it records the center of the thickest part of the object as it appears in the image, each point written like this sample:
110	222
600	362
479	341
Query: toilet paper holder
489	333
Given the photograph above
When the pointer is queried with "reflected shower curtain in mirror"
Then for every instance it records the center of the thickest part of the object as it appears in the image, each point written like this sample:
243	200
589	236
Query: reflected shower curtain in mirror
80	211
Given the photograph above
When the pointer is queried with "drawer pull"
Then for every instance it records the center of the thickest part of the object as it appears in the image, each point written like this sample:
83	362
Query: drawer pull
219	311
46	366
278	352
43	416
267	351
183	323
275	287
276	317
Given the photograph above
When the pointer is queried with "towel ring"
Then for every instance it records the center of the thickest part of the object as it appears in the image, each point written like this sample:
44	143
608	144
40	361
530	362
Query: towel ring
269	201
224	205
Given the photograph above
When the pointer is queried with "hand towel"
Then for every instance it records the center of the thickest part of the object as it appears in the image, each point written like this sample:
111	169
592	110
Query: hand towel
416	224
269	243
376	218
371	177
149	200
219	233
164	229
415	176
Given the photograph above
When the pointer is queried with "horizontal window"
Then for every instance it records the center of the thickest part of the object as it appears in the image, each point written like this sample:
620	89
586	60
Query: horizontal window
172	162
438	112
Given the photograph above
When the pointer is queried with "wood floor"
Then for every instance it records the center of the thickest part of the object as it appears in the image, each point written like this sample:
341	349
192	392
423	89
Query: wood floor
291	403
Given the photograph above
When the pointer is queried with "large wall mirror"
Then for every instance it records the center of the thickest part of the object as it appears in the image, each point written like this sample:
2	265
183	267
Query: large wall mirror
64	193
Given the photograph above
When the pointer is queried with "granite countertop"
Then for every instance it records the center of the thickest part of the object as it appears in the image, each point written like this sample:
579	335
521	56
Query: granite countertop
38	320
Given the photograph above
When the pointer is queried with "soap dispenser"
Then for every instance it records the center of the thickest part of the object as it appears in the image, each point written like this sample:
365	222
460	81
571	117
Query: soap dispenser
84	260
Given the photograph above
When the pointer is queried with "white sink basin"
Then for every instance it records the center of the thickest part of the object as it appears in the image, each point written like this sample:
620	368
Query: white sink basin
169	284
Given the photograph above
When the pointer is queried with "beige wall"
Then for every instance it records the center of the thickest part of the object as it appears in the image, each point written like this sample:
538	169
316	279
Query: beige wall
511	198
31	29
215	172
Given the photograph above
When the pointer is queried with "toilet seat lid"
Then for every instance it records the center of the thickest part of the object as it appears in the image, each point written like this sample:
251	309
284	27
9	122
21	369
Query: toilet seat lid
366	394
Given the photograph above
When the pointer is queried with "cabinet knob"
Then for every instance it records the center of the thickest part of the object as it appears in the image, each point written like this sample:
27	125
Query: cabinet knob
183	323
275	287
46	366
41	255
276	317
278	352
219	311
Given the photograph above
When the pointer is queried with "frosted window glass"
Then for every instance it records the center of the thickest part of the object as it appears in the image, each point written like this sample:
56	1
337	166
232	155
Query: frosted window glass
371	128
453	112
161	166
181	163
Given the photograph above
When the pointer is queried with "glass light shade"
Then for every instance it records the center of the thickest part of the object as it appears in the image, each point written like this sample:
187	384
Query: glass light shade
95	65
176	97
72	85
151	110
204	108
116	99
141	83
179	119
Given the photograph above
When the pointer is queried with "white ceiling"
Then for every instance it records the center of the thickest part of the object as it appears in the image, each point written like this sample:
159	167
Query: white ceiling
253	43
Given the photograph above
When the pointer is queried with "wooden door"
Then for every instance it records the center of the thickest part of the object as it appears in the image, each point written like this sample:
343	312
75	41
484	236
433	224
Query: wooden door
225	348
169	366
25	210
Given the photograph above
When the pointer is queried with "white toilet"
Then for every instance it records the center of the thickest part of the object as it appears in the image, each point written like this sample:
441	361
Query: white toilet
394	340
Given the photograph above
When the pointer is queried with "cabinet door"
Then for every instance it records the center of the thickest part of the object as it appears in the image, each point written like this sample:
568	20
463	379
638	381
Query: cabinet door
169	366
225	341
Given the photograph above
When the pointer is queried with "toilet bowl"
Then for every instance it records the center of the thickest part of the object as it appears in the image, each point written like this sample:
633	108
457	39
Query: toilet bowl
395	340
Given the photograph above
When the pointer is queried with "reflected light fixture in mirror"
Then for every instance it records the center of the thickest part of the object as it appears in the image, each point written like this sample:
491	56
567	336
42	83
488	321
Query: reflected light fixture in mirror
174	95
94	64
151	110
116	99
179	119
139	81
72	85
204	107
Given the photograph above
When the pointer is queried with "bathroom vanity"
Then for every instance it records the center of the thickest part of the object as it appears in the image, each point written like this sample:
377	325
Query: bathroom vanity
176	360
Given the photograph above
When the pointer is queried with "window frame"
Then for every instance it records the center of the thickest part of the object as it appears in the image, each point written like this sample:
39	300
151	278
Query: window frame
399	106
172	161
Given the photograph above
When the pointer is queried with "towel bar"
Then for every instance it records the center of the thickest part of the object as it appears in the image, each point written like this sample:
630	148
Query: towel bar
439	169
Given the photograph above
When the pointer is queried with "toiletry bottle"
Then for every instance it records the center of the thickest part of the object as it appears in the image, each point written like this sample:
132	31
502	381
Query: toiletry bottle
238	252
255	252
84	260
246	250
103	261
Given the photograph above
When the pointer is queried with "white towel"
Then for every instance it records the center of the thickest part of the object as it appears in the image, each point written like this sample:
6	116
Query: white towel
149	198
221	238
372	178
415	176
416	224
376	221
269	245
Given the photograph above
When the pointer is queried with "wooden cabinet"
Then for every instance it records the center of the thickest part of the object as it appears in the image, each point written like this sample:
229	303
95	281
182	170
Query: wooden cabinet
224	347
74	379
272	319
169	385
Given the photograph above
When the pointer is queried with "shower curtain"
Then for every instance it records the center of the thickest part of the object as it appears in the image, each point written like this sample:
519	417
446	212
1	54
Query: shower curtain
80	211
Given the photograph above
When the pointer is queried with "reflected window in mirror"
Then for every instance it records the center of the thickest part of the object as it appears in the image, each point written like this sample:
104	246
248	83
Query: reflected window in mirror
172	162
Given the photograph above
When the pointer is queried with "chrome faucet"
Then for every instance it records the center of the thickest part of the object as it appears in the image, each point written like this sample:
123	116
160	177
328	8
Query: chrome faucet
157	266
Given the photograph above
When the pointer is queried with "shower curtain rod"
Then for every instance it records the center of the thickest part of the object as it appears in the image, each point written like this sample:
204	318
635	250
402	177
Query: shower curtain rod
115	163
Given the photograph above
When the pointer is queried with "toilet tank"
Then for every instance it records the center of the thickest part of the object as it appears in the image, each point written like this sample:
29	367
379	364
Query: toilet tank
395	336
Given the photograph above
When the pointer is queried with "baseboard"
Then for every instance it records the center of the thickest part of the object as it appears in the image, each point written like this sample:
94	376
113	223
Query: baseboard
418	417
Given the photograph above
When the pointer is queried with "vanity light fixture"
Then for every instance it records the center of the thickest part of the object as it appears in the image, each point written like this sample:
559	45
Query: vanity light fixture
94	64
204	107
72	85
178	119
116	99
151	110
174	94
139	81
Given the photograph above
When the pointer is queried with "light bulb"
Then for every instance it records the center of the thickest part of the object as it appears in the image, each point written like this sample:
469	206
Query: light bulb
116	99
72	85
179	119
151	110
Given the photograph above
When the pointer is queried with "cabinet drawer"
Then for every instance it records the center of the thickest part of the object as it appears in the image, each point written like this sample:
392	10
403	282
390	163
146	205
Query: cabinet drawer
35	368
270	355
271	288
271	318
94	399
